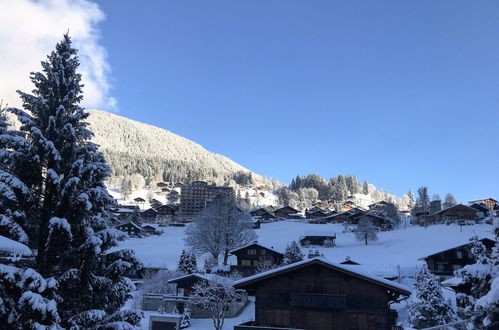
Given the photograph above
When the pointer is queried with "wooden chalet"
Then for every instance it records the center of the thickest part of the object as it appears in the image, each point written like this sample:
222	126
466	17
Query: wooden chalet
259	212
444	263
149	214
377	220
483	210
326	239
150	230
156	202
125	211
139	200
249	257
321	295
285	212
488	202
349	261
132	229
456	213
316	214
339	217
378	206
166	211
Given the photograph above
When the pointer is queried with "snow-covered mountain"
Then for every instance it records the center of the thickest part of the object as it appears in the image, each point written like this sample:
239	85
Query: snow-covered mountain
134	147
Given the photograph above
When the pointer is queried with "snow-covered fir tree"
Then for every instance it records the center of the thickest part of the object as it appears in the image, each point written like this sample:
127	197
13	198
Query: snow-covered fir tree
427	305
293	253
479	306
185	322
187	263
53	164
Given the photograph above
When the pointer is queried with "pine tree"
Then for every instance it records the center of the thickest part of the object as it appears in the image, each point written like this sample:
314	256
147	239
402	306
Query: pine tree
185	322
69	201
411	201
293	253
365	188
427	306
187	263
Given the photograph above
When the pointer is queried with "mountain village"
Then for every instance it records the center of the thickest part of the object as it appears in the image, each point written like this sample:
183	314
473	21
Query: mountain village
111	224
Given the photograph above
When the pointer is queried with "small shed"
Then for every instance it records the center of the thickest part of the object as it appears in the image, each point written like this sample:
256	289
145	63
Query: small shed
319	238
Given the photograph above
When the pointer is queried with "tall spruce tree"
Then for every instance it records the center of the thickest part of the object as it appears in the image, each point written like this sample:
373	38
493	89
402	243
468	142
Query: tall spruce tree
427	306
53	164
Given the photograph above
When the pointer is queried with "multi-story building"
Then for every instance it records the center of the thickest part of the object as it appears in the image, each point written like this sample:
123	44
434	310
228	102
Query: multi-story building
197	196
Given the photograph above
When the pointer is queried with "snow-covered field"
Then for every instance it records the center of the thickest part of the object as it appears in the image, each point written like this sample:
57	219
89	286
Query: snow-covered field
397	249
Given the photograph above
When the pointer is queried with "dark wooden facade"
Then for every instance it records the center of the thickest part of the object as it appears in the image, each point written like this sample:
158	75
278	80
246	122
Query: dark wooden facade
165	210
456	213
318	239
149	214
321	296
130	228
248	257
285	212
444	263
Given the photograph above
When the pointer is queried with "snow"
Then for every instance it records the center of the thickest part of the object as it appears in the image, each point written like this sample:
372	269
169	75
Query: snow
249	244
397	250
8	245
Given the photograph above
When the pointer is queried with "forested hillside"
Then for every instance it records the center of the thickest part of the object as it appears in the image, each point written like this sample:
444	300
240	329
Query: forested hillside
132	147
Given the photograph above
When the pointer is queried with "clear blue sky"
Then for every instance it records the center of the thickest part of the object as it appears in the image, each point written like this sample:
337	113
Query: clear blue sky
400	93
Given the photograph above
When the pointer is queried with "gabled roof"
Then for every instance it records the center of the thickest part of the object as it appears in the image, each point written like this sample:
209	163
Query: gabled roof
245	282
129	223
457	206
288	208
318	234
483	240
258	244
207	277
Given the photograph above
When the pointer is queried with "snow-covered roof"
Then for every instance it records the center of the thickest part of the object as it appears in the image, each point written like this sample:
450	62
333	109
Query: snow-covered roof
11	246
318	234
256	243
208	277
458	246
131	223
453	281
351	270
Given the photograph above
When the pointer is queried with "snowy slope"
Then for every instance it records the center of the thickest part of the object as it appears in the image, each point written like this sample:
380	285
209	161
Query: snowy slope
135	141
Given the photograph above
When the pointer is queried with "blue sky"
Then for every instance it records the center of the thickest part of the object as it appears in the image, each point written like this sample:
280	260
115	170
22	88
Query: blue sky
399	93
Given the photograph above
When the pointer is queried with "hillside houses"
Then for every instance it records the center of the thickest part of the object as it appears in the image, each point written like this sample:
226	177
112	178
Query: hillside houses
250	256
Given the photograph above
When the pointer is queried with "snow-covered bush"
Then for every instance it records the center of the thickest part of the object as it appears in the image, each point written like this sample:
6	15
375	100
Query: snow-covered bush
293	253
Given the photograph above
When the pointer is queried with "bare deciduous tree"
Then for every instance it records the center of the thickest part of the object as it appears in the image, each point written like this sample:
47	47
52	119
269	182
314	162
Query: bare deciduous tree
214	296
366	231
220	228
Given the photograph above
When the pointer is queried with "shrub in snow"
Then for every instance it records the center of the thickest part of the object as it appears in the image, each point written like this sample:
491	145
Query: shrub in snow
327	243
366	231
427	306
220	228
293	253
51	163
264	264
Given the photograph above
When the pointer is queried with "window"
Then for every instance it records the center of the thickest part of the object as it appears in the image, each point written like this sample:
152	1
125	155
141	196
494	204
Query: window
459	254
456	267
246	262
252	252
440	267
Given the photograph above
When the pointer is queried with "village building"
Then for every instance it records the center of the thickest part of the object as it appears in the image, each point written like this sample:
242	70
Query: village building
321	295
444	263
285	212
150	230
139	200
125	211
483	210
316	214
251	255
378	206
197	196
326	239
132	229
149	214
456	213
488	202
